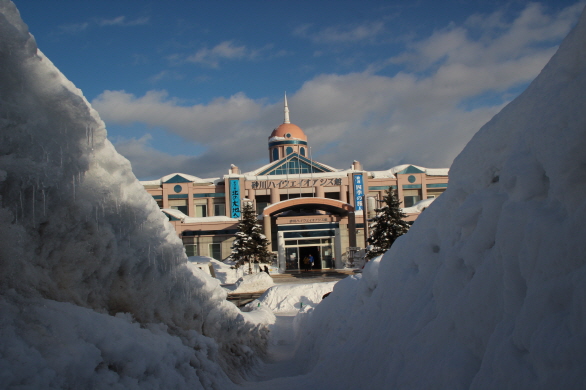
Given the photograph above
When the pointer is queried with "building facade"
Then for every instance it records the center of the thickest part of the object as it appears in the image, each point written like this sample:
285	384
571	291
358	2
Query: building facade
305	207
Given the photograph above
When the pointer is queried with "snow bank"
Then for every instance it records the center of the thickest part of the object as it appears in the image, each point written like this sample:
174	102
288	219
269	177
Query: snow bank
287	298
81	241
226	273
253	283
488	289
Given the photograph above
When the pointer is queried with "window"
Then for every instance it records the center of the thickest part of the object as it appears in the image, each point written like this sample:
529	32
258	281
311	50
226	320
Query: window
219	209
302	151
201	208
294	167
434	193
178	204
411	197
262	201
275	154
289	150
191	250
216	250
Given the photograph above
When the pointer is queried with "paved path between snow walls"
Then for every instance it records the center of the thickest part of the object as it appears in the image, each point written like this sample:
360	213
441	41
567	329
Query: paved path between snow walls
280	362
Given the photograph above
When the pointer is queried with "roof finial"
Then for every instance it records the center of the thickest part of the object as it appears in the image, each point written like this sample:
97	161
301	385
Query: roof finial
286	110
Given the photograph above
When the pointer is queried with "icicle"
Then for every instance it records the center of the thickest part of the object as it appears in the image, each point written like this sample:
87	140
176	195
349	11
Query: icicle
33	205
21	205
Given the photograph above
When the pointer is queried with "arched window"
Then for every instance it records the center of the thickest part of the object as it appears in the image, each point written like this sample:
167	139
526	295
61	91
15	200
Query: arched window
289	150
275	154
302	151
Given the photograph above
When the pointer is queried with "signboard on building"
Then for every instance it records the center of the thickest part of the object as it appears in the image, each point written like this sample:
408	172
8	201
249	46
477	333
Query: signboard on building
358	192
235	200
323	182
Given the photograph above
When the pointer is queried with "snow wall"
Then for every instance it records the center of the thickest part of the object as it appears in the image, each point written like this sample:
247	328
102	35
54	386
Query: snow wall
94	291
488	289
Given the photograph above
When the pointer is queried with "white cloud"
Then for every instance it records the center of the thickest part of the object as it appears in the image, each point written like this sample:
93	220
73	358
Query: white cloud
421	115
226	50
341	34
121	21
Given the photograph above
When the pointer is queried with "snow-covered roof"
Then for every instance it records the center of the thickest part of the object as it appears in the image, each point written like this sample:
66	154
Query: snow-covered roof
188	178
418	207
392	172
187	219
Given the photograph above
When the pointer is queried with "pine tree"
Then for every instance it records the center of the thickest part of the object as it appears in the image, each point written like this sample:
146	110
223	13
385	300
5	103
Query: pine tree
387	225
250	244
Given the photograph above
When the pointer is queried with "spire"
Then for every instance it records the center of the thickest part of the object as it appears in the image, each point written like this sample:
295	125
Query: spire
286	110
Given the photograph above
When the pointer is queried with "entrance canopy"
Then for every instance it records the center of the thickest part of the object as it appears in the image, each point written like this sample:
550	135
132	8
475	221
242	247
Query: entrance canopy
326	204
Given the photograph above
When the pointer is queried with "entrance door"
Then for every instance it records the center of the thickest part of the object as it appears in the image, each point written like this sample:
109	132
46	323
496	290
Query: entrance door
311	250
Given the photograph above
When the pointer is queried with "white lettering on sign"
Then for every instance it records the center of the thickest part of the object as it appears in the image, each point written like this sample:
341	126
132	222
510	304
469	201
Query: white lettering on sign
309	220
325	182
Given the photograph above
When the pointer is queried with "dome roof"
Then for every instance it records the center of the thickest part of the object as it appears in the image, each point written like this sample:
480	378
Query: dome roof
290	129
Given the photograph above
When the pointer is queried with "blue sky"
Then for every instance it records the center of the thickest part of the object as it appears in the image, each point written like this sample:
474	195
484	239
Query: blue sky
194	86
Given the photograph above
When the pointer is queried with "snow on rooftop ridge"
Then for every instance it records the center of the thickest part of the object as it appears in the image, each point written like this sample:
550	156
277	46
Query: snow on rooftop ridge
191	178
391	172
486	290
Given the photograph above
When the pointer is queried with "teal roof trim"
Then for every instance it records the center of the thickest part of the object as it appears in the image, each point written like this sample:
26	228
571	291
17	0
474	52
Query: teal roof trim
410	169
158	197
210	195
178	179
437	185
180	196
411	186
381	188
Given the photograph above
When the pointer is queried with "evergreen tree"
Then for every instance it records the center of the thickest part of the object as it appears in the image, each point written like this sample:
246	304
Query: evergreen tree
387	225
250	244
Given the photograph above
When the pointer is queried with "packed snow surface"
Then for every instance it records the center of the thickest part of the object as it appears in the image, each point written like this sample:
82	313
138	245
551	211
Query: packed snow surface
289	298
258	282
94	287
488	288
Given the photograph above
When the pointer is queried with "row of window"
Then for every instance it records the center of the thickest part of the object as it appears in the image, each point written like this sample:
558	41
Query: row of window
410	198
288	151
201	209
214	250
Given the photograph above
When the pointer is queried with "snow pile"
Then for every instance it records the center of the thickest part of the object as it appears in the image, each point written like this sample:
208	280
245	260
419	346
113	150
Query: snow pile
81	242
253	283
226	273
259	315
488	289
288	298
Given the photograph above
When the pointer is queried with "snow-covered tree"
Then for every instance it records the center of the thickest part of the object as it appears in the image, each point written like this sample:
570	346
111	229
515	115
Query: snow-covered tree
250	243
386	226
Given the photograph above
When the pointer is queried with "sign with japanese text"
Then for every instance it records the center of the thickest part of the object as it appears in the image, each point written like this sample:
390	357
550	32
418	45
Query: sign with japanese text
235	201
358	192
324	182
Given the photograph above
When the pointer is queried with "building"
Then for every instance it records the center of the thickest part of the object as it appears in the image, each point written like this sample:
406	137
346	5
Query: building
305	206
